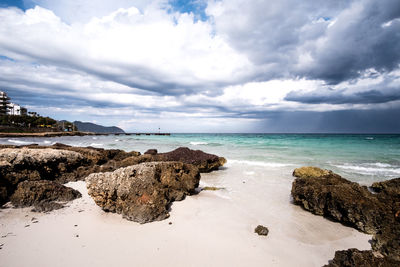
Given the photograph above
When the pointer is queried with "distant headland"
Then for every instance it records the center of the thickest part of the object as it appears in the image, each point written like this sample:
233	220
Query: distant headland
17	121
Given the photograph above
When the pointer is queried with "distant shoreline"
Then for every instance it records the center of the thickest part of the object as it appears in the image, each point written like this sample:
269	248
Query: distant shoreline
56	134
48	134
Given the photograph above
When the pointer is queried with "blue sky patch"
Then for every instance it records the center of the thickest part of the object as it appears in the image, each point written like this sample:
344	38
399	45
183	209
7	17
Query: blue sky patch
197	7
16	3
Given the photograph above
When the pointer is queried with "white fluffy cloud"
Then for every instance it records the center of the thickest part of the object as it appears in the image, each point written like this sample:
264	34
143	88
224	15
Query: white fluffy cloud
155	51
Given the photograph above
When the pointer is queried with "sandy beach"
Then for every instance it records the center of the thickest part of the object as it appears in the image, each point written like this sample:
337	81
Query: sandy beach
213	228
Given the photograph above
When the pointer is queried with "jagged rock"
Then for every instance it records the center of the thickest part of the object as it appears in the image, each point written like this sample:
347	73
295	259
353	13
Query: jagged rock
356	258
325	193
328	194
61	163
20	164
389	187
261	230
43	195
151	152
143	192
203	161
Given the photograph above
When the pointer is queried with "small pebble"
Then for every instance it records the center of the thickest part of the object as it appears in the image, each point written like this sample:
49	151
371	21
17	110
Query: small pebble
35	221
170	223
77	235
75	225
27	225
261	230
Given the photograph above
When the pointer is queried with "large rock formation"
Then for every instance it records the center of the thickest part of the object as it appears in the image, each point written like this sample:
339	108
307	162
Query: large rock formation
203	161
59	162
43	195
20	164
63	163
143	192
325	193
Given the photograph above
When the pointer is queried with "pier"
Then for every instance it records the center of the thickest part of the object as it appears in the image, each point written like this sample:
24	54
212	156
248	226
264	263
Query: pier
139	134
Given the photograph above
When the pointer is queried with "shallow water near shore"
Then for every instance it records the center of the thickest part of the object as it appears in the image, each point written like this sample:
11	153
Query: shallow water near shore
359	157
213	228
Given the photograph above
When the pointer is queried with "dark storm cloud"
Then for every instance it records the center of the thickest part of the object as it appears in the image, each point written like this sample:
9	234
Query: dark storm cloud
329	96
345	121
365	37
342	39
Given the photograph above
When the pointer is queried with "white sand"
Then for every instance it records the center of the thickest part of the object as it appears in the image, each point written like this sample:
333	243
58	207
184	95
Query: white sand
213	228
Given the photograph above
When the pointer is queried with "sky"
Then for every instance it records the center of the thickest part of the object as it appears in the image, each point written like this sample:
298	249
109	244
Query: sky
236	66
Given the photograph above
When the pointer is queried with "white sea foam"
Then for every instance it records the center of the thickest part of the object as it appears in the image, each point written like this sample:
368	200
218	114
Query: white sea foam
198	143
371	168
249	173
369	138
95	144
47	142
259	163
19	142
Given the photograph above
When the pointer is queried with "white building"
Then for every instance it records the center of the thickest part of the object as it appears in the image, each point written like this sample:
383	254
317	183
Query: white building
14	109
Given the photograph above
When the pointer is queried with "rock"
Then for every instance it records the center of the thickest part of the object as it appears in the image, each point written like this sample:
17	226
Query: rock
325	193
151	152
390	187
310	172
261	230
34	164
43	195
143	192
203	161
356	258
61	163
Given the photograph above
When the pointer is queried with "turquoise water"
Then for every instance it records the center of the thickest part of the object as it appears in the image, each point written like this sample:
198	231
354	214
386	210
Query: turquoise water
362	158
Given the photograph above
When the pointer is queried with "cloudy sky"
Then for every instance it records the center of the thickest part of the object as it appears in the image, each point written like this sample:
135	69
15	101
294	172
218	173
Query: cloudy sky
206	65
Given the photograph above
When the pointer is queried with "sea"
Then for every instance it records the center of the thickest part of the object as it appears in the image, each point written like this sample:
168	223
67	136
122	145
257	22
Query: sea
363	158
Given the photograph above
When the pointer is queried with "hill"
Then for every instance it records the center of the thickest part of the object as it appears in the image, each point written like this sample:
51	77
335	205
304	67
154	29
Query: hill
91	127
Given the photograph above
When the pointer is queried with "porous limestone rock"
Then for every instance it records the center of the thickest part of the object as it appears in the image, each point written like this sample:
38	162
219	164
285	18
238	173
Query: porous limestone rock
43	195
203	161
143	192
328	194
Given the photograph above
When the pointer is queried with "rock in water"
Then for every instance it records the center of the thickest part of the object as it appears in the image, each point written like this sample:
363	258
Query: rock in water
143	192
261	230
43	195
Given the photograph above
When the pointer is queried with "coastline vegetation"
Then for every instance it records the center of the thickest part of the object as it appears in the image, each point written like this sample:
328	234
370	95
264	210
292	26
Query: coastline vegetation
26	123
